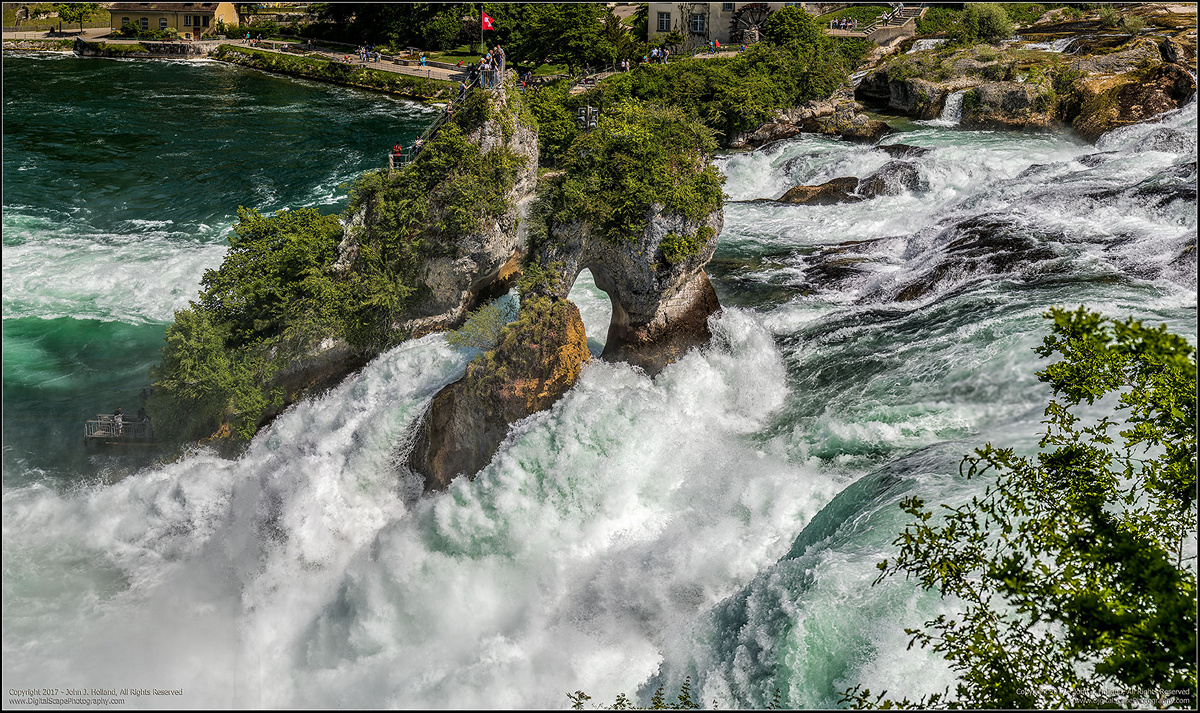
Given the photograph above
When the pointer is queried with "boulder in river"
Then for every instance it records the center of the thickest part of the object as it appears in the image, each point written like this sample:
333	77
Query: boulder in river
892	179
839	190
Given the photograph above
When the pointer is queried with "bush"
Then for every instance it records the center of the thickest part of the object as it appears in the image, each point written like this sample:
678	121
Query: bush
483	326
792	24
677	248
1132	24
441	33
982	23
637	156
270	268
132	30
1108	16
937	20
1069	571
200	385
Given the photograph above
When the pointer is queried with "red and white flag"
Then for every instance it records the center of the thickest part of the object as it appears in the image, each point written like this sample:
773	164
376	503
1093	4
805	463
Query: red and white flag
488	23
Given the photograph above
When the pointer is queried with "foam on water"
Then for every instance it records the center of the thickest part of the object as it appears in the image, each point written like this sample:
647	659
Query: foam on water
58	265
722	520
601	525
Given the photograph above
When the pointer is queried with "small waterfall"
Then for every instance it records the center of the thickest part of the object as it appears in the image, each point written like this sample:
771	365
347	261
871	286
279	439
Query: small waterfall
952	112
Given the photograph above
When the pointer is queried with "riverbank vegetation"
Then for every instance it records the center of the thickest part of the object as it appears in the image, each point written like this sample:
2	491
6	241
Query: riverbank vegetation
354	75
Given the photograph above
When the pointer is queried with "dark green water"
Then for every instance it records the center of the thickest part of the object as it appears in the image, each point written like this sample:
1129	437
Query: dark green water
121	181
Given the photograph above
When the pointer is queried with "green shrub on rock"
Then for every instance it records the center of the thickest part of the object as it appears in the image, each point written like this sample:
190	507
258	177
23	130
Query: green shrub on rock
637	156
982	22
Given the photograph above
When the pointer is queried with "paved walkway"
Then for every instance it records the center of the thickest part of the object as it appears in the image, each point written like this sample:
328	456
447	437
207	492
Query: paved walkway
327	53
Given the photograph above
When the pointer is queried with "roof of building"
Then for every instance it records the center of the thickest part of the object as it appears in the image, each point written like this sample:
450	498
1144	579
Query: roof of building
163	7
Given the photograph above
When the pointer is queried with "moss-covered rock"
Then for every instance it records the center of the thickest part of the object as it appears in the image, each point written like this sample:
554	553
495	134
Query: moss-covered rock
1009	106
538	359
1108	102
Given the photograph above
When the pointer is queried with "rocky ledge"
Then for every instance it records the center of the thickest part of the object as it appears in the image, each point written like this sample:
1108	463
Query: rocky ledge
537	360
839	115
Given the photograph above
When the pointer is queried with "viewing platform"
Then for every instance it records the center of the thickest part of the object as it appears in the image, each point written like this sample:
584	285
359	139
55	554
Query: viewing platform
104	429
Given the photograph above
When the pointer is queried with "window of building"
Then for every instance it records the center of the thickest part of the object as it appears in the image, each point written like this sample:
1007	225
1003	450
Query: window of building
144	23
124	21
727	7
187	20
206	20
162	23
698	23
664	22
196	20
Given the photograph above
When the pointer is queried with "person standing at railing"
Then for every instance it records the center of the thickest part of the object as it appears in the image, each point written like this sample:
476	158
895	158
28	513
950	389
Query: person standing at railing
117	421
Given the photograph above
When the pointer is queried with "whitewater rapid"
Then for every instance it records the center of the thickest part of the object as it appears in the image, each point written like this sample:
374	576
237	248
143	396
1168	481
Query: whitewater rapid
721	521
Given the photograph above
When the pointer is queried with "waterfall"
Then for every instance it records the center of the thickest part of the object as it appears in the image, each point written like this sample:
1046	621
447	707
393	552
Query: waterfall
952	112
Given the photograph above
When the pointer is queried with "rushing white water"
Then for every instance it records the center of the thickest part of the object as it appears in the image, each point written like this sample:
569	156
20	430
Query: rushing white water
720	521
922	45
951	112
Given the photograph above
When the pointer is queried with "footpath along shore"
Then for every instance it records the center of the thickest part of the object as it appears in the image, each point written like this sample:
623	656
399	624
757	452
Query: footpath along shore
31	40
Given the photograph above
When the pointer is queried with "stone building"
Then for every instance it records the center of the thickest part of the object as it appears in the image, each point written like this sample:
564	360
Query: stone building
186	18
701	22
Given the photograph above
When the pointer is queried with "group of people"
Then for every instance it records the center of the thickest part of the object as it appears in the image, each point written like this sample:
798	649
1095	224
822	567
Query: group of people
714	46
843	23
491	67
255	41
368	53
657	55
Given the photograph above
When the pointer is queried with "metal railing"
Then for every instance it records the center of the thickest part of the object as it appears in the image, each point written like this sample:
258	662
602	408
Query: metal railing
488	78
105	426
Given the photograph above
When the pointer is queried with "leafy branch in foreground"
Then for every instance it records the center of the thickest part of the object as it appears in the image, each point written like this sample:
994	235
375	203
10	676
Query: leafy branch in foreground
657	702
1070	568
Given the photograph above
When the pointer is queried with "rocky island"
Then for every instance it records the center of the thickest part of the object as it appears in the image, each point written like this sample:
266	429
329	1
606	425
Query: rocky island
493	202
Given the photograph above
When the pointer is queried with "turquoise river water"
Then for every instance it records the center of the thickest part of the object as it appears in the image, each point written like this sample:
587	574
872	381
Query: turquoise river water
720	521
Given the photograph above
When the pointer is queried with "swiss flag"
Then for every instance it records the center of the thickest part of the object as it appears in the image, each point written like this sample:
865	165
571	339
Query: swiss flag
488	23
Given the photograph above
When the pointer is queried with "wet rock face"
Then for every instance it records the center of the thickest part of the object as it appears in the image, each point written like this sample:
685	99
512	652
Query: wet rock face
538	359
979	246
1111	102
892	179
659	308
839	115
1166	139
839	190
918	98
1006	106
903	150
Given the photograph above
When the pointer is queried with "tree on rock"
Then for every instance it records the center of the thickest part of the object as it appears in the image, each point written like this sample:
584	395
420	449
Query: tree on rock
982	22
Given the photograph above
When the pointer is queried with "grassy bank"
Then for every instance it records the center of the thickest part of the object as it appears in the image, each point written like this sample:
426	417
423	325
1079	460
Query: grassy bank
337	72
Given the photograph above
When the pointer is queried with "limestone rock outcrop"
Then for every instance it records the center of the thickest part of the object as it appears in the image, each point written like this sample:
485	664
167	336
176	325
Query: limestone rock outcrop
839	115
660	308
1108	80
537	360
475	266
1108	102
1007	106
